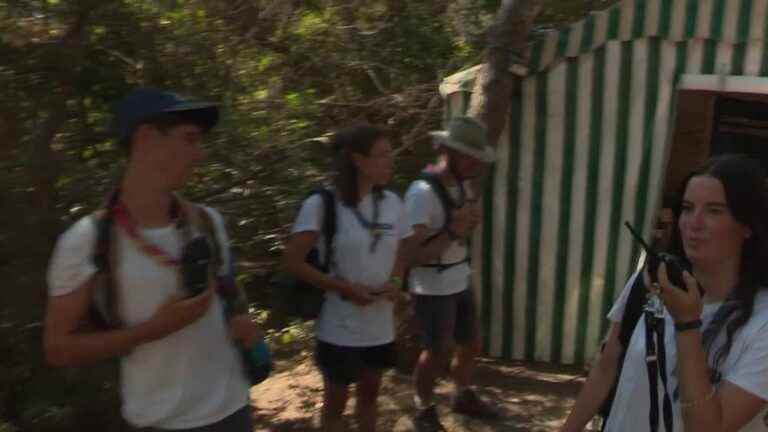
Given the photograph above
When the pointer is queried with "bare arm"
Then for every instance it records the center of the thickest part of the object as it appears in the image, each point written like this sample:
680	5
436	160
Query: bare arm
422	252
66	345
598	384
391	291
293	262
398	270
729	409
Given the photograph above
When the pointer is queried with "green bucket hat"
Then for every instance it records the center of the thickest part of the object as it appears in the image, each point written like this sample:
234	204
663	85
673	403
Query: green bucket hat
466	135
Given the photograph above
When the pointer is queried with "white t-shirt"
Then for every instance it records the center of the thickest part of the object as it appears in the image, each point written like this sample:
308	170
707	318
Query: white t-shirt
342	322
191	378
746	366
424	208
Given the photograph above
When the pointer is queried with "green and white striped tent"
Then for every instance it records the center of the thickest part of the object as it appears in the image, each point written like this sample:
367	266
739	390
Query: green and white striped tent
584	150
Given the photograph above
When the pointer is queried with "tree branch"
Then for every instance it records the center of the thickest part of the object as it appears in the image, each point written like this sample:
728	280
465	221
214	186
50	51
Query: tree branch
420	129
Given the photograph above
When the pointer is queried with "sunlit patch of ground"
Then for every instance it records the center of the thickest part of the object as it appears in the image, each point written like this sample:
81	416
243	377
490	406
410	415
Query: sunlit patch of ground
530	397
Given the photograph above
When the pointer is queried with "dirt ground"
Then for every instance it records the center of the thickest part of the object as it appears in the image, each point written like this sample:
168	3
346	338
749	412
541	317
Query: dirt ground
531	397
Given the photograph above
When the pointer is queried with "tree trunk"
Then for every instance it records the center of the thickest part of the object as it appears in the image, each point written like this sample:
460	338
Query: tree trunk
507	45
42	168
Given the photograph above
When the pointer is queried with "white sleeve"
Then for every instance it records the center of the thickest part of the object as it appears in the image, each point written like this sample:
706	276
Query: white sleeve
617	311
404	229
71	263
310	217
220	231
750	372
418	203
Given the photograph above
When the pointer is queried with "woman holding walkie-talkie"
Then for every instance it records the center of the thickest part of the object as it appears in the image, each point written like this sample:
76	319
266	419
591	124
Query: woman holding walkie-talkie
698	360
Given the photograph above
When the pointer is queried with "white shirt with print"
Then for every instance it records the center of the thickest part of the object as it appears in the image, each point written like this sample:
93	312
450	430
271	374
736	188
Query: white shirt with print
342	322
190	378
746	366
424	208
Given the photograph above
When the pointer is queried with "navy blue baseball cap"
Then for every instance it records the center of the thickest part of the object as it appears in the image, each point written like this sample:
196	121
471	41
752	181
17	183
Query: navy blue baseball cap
142	104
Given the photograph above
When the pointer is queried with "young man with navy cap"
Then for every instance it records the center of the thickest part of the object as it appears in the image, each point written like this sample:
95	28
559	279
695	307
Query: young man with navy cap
180	367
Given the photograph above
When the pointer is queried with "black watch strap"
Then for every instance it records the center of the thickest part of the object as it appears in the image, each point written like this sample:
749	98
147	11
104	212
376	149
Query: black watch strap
688	325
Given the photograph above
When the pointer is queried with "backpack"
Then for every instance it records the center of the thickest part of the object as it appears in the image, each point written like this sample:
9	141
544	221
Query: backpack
296	297
103	310
446	201
633	311
449	205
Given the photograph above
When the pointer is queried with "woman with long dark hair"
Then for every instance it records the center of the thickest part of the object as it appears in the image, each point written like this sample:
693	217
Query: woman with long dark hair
717	343
355	330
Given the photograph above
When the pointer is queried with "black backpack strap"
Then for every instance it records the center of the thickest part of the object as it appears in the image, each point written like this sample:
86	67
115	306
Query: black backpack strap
443	196
656	365
104	312
233	295
667	402
103	224
448	205
441	267
633	311
652	365
329	224
203	222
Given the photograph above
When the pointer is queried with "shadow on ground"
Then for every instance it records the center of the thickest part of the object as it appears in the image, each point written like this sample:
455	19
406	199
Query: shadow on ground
530	397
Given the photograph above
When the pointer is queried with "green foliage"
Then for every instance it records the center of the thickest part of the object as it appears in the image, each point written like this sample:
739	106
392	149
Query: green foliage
558	13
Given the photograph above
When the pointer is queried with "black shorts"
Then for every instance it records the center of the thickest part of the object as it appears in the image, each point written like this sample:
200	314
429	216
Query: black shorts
343	364
445	319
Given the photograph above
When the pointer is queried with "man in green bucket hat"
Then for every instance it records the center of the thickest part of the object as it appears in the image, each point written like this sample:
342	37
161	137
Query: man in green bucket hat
442	209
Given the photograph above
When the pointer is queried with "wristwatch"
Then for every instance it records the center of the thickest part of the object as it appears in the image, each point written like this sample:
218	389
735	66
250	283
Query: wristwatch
688	325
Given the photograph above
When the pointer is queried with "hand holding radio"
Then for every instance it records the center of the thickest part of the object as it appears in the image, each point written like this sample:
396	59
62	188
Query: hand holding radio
463	221
178	312
674	265
683	304
667	277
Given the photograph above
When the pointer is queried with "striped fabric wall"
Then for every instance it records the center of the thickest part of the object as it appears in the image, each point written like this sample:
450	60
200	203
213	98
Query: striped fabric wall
584	150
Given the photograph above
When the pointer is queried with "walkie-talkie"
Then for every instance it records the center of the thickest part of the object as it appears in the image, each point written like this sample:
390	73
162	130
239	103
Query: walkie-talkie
675	264
194	265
